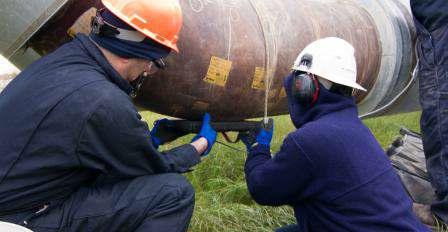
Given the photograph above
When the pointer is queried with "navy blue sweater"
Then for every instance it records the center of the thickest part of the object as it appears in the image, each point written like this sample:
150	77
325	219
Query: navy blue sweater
332	171
67	119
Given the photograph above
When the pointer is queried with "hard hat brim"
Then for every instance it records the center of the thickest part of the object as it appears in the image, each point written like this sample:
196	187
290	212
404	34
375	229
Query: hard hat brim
358	87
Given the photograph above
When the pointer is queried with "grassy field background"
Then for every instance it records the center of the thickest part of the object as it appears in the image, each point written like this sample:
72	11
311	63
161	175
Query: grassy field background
222	200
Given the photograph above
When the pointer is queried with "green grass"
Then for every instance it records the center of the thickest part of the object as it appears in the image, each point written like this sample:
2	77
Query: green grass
222	200
387	128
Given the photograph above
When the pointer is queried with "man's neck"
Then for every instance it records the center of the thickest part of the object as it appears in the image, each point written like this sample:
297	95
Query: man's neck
113	60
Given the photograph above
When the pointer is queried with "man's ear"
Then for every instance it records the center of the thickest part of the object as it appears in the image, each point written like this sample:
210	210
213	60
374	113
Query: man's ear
125	60
125	63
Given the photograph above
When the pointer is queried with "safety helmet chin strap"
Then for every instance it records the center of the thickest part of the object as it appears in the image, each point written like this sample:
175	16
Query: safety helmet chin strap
103	28
326	83
335	88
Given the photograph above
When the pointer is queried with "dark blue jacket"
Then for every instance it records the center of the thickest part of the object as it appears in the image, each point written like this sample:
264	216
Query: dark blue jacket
332	171
65	120
431	21
432	15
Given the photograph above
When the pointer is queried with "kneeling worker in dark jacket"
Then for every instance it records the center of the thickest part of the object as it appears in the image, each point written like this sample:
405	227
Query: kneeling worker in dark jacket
74	152
331	169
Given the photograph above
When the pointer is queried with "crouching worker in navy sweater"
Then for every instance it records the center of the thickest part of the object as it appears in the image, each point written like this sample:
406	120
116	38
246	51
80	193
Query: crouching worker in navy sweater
331	169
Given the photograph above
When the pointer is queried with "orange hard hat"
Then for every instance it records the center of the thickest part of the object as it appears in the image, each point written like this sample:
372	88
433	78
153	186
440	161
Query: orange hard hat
160	20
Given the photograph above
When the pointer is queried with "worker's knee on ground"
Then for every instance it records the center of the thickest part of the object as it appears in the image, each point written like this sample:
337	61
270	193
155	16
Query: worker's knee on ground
165	192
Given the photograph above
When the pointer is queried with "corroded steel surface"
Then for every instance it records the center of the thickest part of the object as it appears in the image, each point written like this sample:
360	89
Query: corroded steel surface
253	36
55	32
228	47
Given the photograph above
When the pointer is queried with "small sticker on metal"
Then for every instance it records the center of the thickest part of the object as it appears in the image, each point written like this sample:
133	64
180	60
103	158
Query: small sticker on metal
218	71
82	24
283	93
175	109
200	106
259	79
273	94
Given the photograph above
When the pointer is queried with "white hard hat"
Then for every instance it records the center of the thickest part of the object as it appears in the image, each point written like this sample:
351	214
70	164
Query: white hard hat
332	59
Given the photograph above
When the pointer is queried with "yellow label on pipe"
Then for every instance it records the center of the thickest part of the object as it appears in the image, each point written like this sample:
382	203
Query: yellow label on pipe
283	93
259	79
218	71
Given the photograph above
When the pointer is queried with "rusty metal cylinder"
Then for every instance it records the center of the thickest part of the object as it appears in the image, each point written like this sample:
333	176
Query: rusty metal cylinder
232	50
228	48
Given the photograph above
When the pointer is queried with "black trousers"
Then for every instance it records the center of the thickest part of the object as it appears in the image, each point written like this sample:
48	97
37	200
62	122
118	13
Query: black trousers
149	203
433	89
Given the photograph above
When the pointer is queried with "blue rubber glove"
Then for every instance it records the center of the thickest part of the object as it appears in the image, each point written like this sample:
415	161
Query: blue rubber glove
163	132
261	136
206	132
266	133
